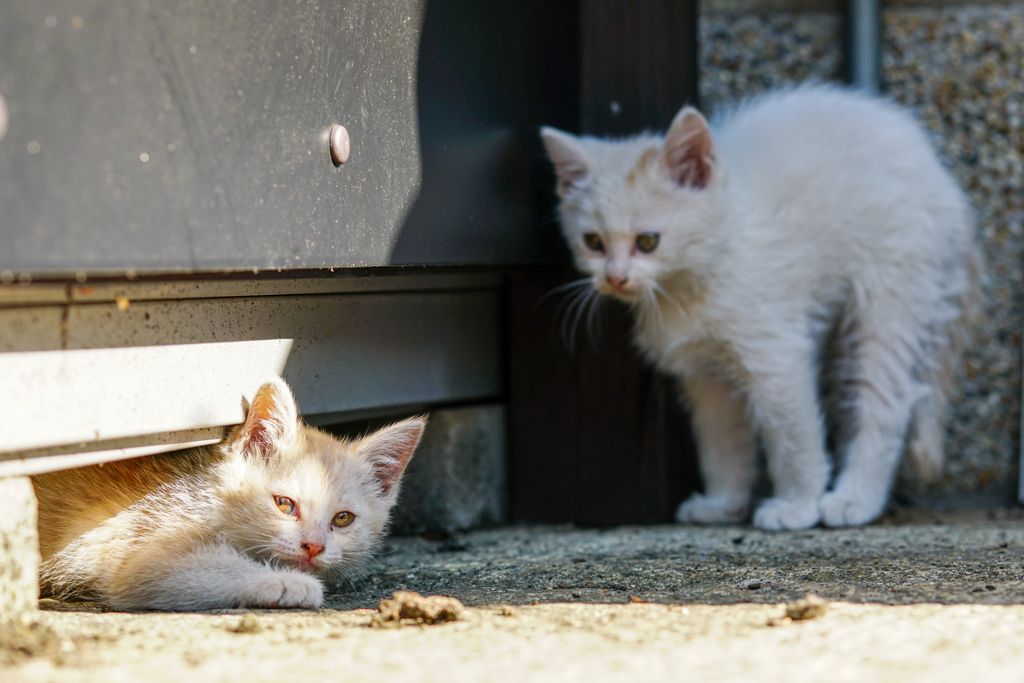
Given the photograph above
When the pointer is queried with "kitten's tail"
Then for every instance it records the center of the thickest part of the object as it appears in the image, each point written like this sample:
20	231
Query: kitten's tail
925	437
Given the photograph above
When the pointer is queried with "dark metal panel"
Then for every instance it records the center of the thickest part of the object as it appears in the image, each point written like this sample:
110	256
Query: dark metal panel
490	74
180	134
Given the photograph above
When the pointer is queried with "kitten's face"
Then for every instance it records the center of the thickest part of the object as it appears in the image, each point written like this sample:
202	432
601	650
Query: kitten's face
635	211
310	501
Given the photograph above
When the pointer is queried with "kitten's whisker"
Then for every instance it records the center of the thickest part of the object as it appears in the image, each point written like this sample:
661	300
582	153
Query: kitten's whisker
572	300
569	320
594	321
582	282
581	309
658	289
650	309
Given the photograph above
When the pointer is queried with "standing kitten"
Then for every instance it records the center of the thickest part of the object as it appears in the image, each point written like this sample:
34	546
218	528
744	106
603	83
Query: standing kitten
252	521
811	238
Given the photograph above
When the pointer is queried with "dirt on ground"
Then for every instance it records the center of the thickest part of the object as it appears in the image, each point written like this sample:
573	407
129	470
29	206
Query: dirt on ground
923	597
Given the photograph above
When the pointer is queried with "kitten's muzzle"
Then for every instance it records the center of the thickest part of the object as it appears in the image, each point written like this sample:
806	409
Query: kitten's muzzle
621	288
618	284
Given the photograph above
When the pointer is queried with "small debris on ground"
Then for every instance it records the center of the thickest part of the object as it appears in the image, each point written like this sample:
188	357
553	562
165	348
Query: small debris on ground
247	624
431	609
809	607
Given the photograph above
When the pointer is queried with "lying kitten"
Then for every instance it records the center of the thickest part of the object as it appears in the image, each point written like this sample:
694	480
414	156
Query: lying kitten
252	521
812	236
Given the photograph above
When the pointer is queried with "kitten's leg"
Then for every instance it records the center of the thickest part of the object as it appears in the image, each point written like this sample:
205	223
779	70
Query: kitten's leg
726	452
925	439
783	398
887	392
210	577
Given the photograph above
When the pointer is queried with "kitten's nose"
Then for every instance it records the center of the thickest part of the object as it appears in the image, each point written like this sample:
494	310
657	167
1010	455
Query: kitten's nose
313	549
617	282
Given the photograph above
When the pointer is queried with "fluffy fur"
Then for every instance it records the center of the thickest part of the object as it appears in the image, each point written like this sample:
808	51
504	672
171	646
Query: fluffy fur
813	260
205	528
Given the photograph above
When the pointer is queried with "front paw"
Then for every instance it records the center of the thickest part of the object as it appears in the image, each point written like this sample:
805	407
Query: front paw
776	514
839	508
701	509
286	589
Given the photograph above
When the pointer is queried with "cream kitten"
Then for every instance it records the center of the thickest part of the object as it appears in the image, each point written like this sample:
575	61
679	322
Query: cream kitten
253	521
811	238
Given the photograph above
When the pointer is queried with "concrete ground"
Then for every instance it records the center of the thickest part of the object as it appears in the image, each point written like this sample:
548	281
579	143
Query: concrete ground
923	597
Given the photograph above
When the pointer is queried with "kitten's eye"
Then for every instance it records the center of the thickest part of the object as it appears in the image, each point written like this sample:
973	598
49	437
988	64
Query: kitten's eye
647	241
343	519
593	242
286	505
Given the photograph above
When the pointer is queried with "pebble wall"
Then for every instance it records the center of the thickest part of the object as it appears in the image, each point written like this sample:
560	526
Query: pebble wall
961	69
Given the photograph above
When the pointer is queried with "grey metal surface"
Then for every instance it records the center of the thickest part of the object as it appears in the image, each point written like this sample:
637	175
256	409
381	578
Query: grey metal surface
129	369
35	294
22	464
180	134
91	396
349	351
30	329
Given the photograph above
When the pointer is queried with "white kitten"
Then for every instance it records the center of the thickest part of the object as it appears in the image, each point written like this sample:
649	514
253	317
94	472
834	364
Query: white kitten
811	238
251	522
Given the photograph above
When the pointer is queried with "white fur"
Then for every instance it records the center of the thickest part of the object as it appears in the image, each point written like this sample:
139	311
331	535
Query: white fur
812	234
202	529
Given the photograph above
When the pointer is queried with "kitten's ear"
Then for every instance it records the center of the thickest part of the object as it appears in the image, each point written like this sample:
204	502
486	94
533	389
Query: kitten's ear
689	155
566	153
271	423
389	450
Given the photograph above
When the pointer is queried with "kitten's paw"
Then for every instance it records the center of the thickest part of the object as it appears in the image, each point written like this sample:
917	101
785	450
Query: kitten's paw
701	509
776	514
839	508
286	589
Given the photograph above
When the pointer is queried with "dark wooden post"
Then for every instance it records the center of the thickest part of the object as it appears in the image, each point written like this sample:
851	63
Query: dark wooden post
639	64
596	437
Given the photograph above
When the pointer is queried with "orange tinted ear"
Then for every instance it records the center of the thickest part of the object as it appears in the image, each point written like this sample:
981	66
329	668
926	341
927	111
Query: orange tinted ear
689	155
270	424
390	449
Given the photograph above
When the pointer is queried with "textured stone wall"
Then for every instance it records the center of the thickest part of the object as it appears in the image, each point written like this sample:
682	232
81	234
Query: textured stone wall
456	480
961	69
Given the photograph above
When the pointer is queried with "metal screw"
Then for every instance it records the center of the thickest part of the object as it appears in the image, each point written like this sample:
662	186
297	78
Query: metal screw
3	117
340	144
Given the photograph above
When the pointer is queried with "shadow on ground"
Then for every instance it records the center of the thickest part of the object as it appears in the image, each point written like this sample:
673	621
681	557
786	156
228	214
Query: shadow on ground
907	558
972	558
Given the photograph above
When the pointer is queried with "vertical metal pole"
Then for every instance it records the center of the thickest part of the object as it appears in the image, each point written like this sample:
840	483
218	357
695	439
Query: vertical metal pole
863	45
1020	469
